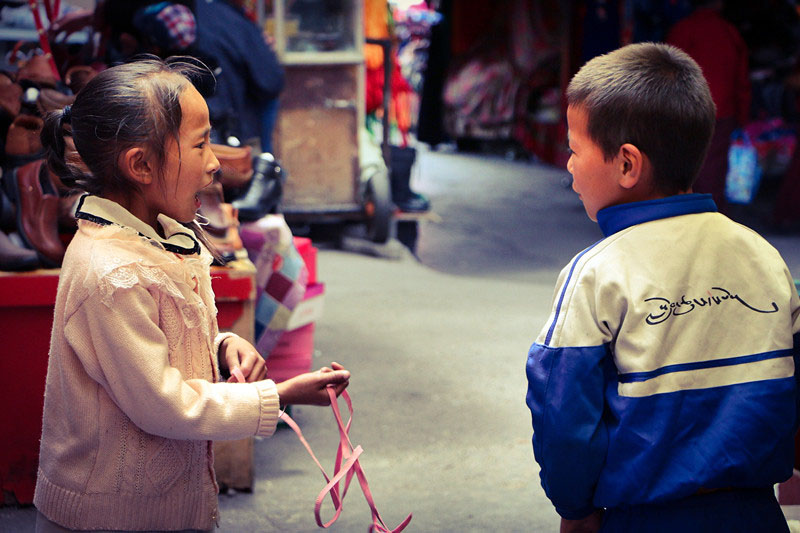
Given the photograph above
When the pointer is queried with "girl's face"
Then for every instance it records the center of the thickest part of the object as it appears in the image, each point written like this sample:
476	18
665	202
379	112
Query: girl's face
190	164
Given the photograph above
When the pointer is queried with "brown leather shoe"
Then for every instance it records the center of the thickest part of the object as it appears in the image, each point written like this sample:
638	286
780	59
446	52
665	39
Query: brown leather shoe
235	165
52	100
67	204
211	200
230	241
223	223
37	211
78	76
10	97
23	137
37	69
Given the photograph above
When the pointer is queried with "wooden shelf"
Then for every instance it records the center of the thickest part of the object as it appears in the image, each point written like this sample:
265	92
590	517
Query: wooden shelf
343	57
30	35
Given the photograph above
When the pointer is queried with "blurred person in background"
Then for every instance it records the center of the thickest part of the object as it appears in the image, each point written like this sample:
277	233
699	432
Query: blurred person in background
716	45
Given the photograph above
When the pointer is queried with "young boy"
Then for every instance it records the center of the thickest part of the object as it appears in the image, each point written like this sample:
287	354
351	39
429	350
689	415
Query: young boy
662	387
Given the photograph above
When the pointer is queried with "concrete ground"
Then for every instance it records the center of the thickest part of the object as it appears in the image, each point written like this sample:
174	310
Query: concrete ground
436	344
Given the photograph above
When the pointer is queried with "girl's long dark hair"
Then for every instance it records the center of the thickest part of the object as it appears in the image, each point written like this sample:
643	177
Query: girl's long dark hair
128	105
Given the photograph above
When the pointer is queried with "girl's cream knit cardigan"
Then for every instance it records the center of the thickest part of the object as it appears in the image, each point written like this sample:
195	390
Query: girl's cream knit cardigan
132	401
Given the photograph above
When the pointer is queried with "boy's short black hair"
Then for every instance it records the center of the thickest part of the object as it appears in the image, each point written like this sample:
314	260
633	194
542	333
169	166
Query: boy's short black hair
655	97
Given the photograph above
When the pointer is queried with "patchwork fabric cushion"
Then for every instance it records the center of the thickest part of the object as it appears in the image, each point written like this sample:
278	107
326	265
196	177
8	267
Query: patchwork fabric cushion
281	277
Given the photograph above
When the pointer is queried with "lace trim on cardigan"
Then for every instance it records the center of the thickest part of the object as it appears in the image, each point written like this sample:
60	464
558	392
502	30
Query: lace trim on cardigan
122	259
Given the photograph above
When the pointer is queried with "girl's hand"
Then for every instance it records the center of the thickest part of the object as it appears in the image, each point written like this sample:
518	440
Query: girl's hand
311	388
237	353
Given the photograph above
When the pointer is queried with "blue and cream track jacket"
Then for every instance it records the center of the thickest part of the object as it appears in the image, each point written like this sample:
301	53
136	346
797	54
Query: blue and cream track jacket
667	364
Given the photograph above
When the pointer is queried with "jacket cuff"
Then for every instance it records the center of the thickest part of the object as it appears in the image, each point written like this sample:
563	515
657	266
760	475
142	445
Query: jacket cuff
270	407
575	514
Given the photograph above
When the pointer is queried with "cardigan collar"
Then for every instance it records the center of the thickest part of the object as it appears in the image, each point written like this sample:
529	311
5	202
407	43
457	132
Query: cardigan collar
179	238
618	217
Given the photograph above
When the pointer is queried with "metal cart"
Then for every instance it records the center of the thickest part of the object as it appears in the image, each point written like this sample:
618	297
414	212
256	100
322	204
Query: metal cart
316	138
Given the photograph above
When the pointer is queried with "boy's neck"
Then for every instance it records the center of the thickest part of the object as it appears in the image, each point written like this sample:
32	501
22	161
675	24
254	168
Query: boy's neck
644	189
615	218
653	195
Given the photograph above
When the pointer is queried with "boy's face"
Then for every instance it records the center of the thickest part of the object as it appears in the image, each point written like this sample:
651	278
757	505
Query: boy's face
593	178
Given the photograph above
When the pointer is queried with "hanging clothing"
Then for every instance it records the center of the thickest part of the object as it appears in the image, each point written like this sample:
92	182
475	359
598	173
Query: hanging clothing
715	44
378	25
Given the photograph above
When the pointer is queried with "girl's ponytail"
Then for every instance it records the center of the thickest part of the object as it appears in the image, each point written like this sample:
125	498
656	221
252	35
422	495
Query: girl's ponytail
59	149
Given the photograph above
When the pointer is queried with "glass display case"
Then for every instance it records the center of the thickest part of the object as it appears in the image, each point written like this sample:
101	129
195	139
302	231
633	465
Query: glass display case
320	44
315	31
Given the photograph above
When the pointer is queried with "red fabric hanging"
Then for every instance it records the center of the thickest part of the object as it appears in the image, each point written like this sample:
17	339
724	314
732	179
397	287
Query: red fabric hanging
43	42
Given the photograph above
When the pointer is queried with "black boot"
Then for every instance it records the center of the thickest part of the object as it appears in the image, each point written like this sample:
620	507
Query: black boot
264	194
402	195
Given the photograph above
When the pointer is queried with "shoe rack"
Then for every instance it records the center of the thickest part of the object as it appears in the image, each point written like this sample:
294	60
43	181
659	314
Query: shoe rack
17	26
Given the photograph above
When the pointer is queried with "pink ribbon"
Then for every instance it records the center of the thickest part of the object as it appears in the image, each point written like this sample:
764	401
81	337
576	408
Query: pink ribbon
347	453
351	467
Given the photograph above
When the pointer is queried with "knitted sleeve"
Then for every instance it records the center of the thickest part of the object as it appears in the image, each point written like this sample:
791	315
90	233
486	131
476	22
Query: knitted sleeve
123	348
219	339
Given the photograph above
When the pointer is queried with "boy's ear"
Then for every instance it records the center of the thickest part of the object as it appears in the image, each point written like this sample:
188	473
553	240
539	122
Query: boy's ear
632	164
136	165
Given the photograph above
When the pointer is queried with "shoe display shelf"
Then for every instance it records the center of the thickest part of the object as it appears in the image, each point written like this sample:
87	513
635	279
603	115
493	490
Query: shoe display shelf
26	318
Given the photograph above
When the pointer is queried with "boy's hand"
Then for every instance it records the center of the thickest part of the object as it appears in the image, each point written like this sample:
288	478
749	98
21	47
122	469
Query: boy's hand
236	354
590	524
311	388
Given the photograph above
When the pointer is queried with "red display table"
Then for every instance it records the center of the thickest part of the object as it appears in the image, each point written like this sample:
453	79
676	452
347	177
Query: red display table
26	318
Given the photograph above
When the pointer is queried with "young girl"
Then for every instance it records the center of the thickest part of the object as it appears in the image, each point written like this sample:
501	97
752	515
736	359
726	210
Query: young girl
133	396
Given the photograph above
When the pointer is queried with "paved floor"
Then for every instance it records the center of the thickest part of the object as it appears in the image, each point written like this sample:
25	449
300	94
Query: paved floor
437	348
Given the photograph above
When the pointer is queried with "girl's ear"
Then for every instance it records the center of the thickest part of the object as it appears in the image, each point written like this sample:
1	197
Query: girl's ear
633	166
136	166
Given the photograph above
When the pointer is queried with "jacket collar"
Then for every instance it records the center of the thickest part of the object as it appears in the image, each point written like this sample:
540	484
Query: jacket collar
618	217
179	238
